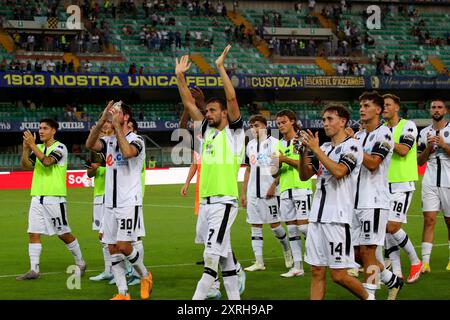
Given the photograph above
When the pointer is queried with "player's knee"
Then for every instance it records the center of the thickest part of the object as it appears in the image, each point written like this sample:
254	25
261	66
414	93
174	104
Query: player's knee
275	225
367	252
124	247
430	221
66	237
34	237
392	228
211	261
318	273
338	276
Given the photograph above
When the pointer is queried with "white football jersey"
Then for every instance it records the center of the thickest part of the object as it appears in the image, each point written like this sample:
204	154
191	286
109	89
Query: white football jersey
334	198
372	189
408	137
123	186
258	157
438	164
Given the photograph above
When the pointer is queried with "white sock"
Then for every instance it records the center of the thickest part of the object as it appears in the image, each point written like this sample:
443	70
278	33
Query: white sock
106	258
34	251
280	234
296	245
257	244
303	229
208	277
137	263
396	262
379	254
229	276
238	265
139	246
426	251
216	284
390	245
75	250
118	270
370	288
404	242
388	278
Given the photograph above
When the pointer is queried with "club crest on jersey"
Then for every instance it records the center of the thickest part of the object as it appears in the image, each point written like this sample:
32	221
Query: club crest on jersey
446	133
371	137
338	150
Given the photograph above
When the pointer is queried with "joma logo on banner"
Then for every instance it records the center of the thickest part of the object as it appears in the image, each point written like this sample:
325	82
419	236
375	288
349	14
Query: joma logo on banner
374	20
74	20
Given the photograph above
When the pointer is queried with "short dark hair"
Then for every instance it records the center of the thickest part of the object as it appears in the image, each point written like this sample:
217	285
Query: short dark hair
291	116
439	99
134	123
340	109
52	123
258	117
126	109
393	97
373	96
221	102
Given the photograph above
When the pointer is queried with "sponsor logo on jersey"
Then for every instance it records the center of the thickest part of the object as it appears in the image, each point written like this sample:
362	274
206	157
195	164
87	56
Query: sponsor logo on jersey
119	160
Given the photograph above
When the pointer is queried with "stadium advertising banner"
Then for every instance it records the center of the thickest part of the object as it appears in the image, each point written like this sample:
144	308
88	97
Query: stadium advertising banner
144	126
169	81
79	178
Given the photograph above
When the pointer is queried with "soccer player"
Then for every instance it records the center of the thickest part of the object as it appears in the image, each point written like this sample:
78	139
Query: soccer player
96	169
434	150
223	143
124	153
138	245
258	193
295	194
214	291
372	200
337	165
48	210
401	176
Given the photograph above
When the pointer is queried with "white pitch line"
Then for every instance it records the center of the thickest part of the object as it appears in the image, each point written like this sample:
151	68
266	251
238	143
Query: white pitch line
173	265
166	206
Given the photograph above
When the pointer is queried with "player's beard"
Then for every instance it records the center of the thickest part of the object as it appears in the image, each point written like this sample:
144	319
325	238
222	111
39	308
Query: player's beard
214	123
438	117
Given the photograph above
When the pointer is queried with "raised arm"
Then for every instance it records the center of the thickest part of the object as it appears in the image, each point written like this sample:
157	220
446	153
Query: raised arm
129	150
25	161
232	104
186	97
30	140
92	142
338	170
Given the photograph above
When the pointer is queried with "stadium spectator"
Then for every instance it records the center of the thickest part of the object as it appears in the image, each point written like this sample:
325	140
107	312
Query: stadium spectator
132	69
71	67
51	66
311	5
103	69
3	65
87	66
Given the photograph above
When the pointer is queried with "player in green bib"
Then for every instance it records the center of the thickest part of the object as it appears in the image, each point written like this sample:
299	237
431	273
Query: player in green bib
295	194
48	212
222	148
401	177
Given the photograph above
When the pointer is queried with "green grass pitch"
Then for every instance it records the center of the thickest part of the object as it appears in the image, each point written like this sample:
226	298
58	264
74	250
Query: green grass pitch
171	254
